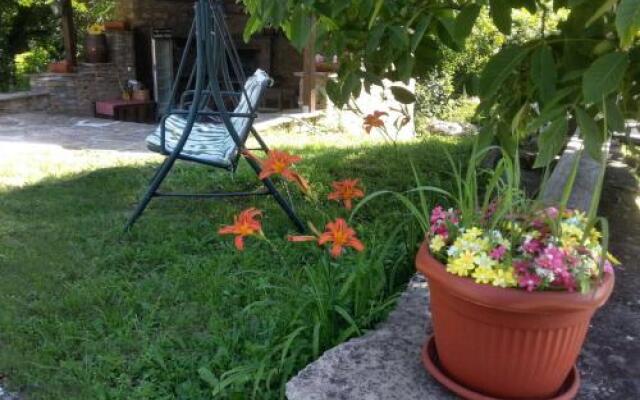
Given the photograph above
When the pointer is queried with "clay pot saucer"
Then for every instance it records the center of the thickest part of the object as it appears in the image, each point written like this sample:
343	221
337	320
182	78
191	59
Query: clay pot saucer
431	362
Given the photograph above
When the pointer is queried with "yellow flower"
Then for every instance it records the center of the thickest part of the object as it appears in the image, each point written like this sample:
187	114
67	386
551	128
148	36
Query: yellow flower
471	234
437	243
513	227
484	275
462	265
504	278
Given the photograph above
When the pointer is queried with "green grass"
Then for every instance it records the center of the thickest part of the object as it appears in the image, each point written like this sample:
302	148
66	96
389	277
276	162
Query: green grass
172	310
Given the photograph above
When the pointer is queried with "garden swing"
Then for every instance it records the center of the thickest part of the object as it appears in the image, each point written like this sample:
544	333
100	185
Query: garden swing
199	127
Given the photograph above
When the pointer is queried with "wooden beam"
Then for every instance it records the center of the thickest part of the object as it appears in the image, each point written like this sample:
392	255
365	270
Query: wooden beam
309	65
68	31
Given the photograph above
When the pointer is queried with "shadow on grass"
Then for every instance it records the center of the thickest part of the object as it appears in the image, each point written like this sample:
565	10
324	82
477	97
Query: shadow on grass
90	312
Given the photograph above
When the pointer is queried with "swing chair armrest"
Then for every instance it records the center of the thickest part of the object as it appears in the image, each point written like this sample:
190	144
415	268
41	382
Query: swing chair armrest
223	93
212	114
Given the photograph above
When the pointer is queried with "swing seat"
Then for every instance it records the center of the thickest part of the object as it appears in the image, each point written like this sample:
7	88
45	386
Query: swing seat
210	142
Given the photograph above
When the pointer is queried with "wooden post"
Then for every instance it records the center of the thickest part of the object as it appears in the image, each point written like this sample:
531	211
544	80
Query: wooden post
309	65
68	31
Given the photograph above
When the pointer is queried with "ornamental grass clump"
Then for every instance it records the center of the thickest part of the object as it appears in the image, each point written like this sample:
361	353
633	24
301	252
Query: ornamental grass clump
496	235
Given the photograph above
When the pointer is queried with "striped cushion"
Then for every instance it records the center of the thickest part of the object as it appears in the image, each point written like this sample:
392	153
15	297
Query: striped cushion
211	142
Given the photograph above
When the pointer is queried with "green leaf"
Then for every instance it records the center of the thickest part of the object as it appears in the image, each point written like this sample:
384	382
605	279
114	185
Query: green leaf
419	31
446	32
606	6
404	66
530	5
604	76
374	38
501	15
615	119
465	21
628	21
253	25
499	68
591	134
403	95
299	28
376	11
207	376
551	141
543	72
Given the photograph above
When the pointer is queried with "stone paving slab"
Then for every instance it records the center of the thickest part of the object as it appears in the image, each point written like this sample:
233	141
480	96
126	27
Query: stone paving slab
382	365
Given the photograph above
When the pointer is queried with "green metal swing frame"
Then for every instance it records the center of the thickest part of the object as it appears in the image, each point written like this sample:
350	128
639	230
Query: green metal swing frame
216	56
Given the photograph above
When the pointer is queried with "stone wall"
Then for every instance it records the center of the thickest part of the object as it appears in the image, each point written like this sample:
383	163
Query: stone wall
76	93
24	101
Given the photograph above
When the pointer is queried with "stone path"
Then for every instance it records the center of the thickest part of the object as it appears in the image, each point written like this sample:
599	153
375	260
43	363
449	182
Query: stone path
385	364
82	133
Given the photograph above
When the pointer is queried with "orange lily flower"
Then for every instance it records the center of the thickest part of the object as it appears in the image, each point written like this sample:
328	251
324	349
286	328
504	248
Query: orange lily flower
346	191
279	163
373	121
340	235
245	224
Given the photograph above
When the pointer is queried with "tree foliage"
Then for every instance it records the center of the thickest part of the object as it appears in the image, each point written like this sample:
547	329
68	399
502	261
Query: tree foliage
24	25
30	34
590	63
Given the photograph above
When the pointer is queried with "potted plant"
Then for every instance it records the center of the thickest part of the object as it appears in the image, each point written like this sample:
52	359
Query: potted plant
61	67
117	26
96	45
513	287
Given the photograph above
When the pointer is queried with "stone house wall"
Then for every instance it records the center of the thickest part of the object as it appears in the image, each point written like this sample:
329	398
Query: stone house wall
146	15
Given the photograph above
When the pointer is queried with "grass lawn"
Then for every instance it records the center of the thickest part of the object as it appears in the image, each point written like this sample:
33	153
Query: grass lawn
172	310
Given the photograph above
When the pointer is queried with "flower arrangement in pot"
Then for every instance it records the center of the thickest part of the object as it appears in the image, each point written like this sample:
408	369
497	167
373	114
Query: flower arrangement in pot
513	286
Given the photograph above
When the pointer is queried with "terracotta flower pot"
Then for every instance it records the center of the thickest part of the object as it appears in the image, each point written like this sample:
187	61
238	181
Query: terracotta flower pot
116	26
96	48
61	67
507	343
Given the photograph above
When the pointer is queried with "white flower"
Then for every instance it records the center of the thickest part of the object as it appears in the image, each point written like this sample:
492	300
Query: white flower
483	260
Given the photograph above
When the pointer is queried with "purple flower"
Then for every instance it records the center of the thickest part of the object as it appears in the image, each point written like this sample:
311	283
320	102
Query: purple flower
498	252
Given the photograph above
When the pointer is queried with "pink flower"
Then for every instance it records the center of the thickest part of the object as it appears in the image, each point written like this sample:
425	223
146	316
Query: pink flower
440	229
438	214
608	268
529	281
532	246
440	220
522	266
553	259
491	209
498	252
552	212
